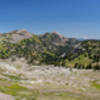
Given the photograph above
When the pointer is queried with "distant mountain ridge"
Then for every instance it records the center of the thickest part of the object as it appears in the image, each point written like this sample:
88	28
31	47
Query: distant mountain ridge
50	48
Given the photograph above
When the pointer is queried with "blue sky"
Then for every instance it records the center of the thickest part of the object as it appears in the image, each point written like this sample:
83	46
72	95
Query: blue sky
72	18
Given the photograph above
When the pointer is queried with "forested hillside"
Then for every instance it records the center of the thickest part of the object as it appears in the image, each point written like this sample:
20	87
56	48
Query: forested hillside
50	48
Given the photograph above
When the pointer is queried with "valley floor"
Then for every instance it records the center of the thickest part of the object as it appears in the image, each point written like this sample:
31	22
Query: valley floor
20	81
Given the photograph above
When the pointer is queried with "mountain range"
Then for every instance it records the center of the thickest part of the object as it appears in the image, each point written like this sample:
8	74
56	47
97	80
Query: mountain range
50	48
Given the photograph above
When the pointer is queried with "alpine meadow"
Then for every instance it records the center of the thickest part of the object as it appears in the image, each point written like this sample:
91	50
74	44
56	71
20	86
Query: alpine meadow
49	50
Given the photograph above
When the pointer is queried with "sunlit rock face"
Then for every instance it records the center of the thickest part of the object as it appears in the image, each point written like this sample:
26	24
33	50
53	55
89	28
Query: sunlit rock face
19	35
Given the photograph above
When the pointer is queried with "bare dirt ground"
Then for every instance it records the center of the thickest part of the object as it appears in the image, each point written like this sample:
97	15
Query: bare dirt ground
26	82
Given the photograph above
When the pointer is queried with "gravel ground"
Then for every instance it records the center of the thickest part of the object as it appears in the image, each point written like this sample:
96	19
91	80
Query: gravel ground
52	79
6	97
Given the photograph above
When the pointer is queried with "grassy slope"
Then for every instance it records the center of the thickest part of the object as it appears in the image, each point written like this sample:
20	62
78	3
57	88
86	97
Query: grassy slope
96	84
82	60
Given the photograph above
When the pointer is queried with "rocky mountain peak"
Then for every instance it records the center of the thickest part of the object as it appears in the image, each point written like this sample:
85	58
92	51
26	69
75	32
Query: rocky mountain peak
22	31
18	35
58	34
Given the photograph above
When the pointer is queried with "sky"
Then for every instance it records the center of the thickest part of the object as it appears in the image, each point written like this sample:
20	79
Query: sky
71	18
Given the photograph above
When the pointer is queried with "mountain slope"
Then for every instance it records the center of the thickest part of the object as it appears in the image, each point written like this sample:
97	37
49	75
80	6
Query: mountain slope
86	55
50	48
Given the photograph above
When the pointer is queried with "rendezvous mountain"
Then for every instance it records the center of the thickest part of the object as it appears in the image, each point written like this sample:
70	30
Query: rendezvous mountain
50	48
